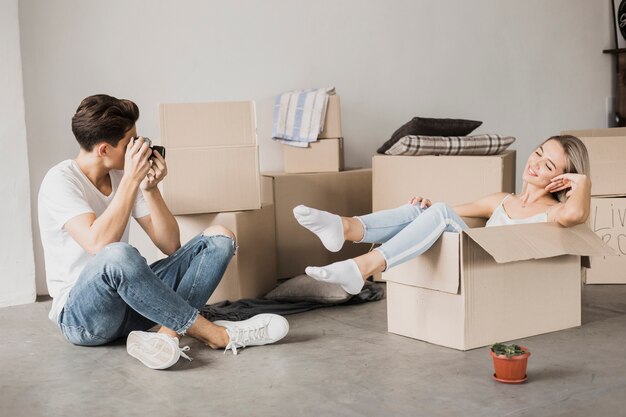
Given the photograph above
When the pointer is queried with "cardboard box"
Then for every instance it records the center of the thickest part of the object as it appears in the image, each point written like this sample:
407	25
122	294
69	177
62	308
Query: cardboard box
325	155
332	119
608	221
347	193
252	271
607	159
450	179
491	284
212	156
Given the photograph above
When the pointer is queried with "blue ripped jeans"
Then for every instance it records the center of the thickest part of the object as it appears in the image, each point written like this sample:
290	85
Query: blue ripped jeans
117	292
408	231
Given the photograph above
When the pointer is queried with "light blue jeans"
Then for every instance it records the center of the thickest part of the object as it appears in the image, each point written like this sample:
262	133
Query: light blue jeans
117	292
408	231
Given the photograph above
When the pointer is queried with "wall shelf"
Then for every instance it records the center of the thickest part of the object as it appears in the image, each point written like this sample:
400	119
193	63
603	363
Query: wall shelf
620	85
614	51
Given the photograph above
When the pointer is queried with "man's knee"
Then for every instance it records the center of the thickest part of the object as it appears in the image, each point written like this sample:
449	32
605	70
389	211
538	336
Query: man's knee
218	230
120	252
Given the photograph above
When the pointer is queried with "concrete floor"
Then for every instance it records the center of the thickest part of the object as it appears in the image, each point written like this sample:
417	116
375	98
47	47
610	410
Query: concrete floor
335	362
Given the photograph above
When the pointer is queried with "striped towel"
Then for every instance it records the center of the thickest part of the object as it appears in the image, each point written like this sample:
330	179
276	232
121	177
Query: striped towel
299	116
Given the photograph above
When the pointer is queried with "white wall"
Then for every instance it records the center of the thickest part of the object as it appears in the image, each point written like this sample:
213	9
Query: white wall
17	267
525	68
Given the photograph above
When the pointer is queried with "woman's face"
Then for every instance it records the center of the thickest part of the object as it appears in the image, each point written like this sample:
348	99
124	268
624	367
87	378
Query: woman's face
545	163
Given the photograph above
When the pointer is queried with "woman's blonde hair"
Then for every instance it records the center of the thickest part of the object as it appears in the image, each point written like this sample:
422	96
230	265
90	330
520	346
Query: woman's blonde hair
576	156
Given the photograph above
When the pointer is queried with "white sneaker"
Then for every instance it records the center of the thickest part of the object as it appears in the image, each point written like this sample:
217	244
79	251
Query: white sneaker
155	350
261	329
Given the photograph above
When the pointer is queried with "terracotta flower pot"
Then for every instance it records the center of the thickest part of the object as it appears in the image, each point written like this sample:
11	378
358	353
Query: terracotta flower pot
510	370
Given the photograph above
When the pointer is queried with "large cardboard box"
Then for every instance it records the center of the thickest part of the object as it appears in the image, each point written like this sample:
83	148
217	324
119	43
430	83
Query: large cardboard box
212	156
607	159
332	119
491	284
347	193
325	155
608	221
451	179
252	271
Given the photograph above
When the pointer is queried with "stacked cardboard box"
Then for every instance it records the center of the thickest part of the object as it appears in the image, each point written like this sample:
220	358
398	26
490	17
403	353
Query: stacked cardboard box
212	156
607	157
325	155
347	193
450	179
213	179
315	177
252	271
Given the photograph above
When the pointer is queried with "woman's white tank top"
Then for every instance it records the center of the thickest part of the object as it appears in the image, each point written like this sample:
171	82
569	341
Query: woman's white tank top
499	217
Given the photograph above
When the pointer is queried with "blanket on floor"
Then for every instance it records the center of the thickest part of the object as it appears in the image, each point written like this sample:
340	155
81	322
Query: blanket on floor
246	308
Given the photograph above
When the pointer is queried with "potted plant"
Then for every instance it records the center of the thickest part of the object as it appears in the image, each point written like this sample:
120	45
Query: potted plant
509	362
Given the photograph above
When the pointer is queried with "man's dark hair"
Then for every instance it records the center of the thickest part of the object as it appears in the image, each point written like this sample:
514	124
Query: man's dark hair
102	118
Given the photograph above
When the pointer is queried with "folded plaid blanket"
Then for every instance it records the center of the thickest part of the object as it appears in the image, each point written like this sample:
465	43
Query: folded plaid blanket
450	145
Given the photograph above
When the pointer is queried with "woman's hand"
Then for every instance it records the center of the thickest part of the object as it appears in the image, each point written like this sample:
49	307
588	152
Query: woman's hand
156	173
565	181
422	201
577	207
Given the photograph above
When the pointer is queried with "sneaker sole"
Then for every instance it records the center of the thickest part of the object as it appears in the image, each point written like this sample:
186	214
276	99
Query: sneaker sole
152	352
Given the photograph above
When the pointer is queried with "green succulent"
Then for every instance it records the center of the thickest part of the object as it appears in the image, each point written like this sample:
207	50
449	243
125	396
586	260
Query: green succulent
507	350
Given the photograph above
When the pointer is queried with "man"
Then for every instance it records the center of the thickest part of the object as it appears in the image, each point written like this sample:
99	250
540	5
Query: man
101	286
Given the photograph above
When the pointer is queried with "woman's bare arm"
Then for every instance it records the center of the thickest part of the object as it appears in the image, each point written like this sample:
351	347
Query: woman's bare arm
482	207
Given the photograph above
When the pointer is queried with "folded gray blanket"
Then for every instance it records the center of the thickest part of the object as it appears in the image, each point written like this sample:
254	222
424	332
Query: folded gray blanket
246	308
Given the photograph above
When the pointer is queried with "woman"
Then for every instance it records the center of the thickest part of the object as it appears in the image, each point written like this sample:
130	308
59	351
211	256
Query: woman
556	189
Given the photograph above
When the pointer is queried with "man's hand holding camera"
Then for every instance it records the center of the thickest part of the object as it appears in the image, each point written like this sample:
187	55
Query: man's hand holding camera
144	164
156	173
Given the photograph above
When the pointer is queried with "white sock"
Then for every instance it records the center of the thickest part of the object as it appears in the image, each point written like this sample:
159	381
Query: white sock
345	273
325	225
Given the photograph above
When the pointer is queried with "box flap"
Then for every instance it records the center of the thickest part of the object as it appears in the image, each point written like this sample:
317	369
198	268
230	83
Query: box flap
188	125
536	241
436	269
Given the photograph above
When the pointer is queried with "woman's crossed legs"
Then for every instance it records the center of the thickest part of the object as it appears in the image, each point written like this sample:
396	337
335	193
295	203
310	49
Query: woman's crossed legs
405	232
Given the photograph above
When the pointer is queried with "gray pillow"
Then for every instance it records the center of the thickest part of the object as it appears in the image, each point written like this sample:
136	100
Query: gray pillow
427	126
305	288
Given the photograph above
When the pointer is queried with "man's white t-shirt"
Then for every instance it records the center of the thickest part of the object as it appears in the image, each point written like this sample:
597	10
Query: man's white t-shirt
65	193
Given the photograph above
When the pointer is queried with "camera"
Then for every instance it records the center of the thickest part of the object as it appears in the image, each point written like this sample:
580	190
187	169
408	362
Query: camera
159	149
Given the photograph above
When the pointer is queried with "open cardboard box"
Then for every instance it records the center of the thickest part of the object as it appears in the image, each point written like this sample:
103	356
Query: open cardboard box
491	284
